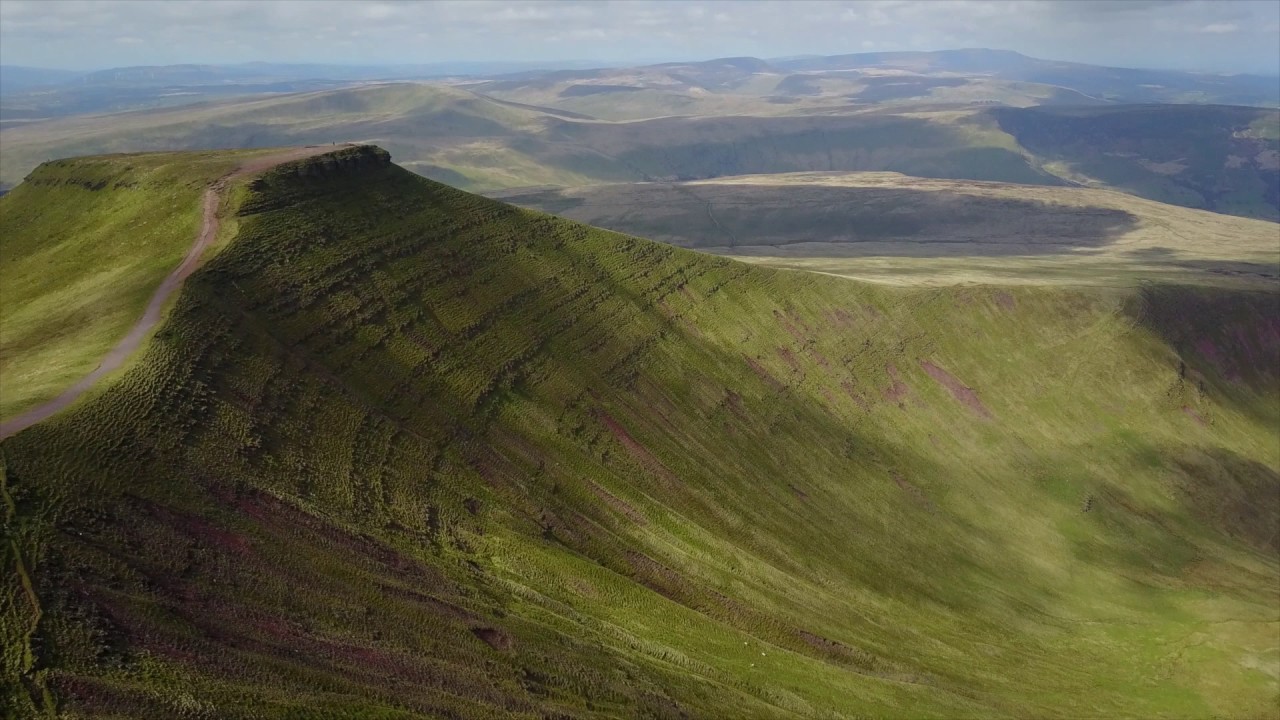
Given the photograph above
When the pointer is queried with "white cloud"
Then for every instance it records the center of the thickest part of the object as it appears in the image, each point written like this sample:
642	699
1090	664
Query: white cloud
1151	33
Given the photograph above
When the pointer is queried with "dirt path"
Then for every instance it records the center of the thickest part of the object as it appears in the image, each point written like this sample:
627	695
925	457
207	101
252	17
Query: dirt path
133	340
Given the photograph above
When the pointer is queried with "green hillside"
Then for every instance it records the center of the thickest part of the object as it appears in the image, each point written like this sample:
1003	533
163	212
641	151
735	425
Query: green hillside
401	451
85	242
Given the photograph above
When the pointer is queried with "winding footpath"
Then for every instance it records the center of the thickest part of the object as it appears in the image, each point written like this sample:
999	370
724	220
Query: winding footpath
115	357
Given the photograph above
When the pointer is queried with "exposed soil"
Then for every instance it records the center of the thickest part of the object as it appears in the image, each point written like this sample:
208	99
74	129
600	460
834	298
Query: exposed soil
764	374
493	637
914	491
1191	413
638	451
897	391
151	316
958	390
618	504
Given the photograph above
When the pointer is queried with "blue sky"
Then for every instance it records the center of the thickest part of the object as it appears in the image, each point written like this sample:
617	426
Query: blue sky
1213	35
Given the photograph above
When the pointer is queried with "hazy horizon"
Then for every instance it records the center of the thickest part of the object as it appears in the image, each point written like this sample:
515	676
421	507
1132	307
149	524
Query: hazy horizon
1227	36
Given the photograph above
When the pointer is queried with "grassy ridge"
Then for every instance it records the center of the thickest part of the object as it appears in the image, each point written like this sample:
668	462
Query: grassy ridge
403	451
85	245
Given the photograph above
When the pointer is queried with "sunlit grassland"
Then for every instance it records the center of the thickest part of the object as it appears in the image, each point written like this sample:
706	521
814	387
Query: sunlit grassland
83	246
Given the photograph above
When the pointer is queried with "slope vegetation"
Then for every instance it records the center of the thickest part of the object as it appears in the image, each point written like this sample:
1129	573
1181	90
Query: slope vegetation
400	451
85	243
78	282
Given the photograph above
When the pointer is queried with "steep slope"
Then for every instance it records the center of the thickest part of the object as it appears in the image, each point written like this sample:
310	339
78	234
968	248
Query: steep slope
402	451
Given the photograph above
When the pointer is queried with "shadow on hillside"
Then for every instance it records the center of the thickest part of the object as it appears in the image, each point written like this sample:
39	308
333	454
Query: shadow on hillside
1236	269
1227	342
898	221
1229	335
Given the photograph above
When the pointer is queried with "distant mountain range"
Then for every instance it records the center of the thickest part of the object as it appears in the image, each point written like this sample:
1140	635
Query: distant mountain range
966	114
974	75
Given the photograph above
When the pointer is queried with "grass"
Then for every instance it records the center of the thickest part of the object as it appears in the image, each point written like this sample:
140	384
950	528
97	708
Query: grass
85	245
401	451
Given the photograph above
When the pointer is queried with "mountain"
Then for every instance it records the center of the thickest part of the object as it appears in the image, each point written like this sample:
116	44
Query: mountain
1213	157
1121	85
400	451
18	78
842	82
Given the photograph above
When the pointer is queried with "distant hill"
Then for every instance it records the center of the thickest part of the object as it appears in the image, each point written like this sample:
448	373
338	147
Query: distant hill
721	86
828	83
34	94
17	78
1120	85
1214	157
1225	159
438	127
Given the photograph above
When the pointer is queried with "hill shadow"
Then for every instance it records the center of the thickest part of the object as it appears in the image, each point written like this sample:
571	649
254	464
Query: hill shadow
888	221
1226	342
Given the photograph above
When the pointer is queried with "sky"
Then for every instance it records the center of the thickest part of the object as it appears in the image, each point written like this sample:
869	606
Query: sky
1208	35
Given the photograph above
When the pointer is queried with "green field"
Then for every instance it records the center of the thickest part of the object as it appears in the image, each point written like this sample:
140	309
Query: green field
401	451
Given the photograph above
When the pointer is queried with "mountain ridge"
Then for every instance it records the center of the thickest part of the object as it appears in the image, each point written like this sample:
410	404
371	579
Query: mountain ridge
403	451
